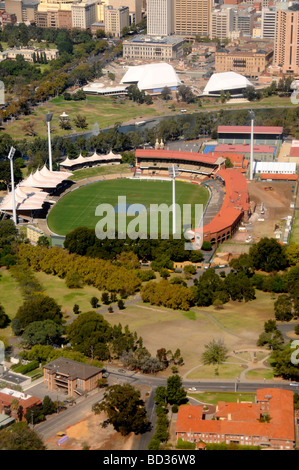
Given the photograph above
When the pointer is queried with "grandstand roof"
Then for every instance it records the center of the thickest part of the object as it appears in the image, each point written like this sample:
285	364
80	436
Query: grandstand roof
95	158
235	202
150	76
44	179
24	200
226	81
279	176
179	155
247	130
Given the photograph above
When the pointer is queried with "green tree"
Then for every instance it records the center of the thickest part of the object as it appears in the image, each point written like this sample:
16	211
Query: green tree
268	255
20	437
215	352
94	301
42	332
80	121
49	406
39	308
125	409
4	318
89	334
175	391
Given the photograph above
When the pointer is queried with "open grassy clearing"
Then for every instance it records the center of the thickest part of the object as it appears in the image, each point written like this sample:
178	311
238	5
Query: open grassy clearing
223	371
10	297
100	110
162	327
65	297
212	398
245	319
77	208
259	374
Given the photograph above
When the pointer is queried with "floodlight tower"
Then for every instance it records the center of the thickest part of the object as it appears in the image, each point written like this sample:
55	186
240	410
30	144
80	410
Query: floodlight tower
10	158
48	120
252	115
173	173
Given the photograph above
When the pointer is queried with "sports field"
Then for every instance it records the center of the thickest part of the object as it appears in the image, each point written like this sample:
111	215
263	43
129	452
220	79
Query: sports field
78	208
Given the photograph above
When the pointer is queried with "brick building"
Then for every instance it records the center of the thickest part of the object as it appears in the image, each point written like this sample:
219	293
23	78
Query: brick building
73	377
240	423
16	404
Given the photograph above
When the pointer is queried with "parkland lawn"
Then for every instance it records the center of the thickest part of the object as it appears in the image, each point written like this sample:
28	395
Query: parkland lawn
77	208
96	109
238	325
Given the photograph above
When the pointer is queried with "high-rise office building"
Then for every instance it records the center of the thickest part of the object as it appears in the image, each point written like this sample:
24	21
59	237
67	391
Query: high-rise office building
84	14
116	19
160	17
192	17
221	23
135	8
286	45
268	22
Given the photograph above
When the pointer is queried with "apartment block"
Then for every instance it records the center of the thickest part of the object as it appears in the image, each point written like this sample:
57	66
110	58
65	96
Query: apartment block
84	14
135	8
54	19
243	21
221	23
286	47
160	17
29	10
192	17
73	377
116	19
14	7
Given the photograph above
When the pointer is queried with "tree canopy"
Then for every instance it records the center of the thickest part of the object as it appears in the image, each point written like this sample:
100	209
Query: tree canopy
125	409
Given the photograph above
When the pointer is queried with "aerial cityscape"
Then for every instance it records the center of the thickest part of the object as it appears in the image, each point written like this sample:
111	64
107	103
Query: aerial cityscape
149	227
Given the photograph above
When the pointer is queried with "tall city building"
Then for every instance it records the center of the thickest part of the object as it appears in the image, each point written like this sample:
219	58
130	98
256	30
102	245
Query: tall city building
135	8
84	14
192	17
268	22
286	46
15	7
116	19
221	23
160	17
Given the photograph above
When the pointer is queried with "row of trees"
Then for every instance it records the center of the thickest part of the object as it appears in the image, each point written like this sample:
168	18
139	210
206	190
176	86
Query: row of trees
102	274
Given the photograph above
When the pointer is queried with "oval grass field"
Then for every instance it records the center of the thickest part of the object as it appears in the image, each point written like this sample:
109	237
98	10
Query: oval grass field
77	208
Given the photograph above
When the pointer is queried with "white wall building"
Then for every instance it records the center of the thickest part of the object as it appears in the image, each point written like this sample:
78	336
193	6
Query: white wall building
268	22
160	17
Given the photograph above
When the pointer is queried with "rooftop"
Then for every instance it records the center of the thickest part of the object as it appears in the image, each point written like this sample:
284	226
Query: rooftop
243	418
247	130
72	369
